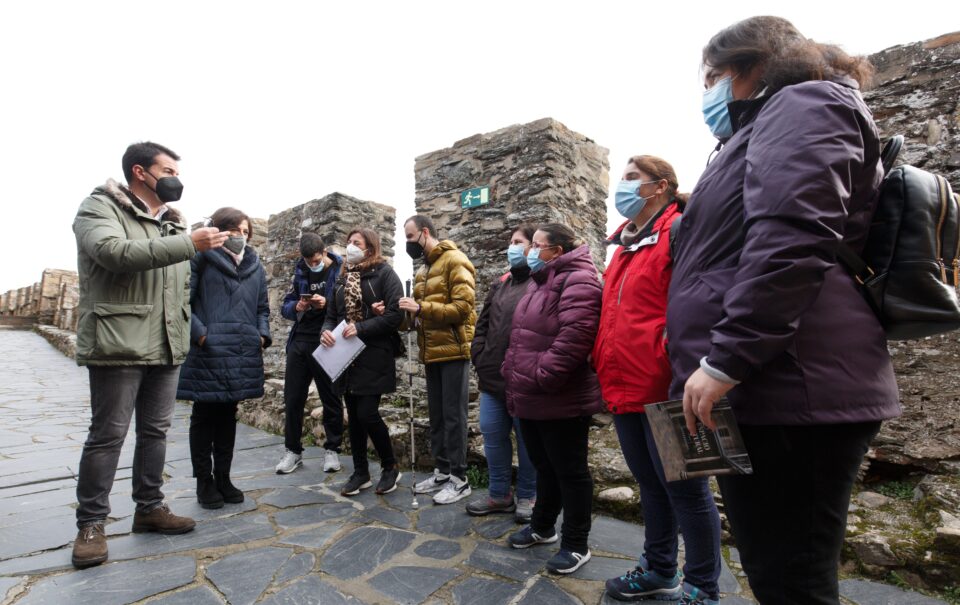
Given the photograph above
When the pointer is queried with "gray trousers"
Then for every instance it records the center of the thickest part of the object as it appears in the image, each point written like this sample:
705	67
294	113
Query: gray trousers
116	392
447	393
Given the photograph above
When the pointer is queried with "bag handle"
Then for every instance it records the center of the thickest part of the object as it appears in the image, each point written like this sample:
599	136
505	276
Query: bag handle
891	149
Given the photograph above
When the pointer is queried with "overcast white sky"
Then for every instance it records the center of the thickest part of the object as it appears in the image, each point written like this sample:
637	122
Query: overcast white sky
272	104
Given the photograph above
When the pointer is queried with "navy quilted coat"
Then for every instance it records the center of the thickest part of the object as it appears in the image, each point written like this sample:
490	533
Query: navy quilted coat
230	308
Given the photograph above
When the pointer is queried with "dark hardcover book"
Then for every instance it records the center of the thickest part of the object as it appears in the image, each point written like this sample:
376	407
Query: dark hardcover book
684	456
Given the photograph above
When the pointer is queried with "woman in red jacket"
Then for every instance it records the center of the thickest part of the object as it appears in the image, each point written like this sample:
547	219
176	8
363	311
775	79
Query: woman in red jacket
631	360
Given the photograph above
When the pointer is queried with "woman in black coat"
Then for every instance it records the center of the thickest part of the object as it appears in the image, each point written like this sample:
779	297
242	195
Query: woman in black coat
228	331
367	280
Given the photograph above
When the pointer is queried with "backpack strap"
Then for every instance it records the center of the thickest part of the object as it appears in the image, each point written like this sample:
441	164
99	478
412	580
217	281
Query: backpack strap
854	265
891	149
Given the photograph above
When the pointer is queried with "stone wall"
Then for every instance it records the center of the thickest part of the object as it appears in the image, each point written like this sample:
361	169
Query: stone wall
536	173
916	92
66	315
50	293
332	217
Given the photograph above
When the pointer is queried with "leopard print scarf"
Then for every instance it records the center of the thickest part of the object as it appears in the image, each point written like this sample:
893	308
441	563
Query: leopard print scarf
353	295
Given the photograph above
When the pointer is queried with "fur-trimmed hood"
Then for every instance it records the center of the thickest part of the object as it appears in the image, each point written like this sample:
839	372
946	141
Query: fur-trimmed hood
127	200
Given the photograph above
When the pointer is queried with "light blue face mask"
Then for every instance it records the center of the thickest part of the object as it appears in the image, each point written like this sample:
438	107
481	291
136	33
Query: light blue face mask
715	112
318	268
515	255
534	261
628	201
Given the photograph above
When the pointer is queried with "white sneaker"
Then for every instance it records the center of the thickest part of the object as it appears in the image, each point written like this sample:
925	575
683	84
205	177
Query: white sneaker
454	489
432	483
289	463
331	461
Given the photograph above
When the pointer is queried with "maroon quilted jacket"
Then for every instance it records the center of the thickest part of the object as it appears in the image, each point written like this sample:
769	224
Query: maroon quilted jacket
546	371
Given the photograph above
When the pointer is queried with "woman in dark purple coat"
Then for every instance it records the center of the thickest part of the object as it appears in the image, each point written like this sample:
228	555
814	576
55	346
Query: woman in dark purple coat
552	389
761	312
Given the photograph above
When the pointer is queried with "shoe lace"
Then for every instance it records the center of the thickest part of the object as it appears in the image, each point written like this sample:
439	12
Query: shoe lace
90	531
633	574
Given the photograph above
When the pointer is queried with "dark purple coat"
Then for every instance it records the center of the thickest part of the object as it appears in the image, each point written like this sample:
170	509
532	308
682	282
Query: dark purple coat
756	287
546	371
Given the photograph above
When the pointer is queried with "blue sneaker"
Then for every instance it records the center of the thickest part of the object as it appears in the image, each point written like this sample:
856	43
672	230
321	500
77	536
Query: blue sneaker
526	537
567	561
640	584
694	596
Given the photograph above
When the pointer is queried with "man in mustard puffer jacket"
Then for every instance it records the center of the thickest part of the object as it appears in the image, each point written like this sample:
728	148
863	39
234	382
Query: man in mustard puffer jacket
444	311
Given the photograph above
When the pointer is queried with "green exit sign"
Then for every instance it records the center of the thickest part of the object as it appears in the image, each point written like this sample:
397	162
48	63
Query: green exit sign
473	198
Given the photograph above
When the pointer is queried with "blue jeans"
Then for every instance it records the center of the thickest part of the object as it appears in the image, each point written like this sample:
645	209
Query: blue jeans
495	424
684	506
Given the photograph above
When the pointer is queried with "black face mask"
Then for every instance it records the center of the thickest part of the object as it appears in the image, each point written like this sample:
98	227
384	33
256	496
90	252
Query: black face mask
168	188
415	249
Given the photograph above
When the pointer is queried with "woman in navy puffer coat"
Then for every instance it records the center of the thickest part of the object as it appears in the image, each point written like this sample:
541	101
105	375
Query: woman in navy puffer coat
228	331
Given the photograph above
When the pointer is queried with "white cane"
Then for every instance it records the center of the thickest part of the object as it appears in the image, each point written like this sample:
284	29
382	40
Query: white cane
413	443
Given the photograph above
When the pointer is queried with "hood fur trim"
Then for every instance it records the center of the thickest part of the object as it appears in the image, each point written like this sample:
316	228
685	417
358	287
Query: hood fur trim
126	199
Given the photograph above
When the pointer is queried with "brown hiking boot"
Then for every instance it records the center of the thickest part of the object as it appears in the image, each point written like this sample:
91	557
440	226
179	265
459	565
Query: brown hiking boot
163	521
90	547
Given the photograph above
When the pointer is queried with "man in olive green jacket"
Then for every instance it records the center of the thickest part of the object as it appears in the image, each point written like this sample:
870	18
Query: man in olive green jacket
444	309
133	255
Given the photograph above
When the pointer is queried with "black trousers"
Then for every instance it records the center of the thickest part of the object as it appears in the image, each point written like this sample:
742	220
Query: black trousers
301	369
365	421
789	517
558	450
448	384
213	430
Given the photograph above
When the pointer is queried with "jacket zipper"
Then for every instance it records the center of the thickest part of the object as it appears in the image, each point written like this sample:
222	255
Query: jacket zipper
620	293
939	235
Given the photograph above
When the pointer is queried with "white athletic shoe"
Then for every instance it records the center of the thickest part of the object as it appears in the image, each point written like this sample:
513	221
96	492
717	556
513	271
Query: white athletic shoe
331	461
289	463
432	483
454	489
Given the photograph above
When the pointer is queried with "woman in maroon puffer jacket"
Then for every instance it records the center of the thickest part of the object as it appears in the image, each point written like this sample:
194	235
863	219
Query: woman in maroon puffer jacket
552	389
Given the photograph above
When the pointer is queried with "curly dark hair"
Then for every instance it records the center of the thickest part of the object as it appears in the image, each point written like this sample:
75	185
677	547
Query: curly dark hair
784	54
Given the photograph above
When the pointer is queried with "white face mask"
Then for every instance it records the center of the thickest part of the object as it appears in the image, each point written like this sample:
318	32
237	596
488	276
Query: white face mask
355	254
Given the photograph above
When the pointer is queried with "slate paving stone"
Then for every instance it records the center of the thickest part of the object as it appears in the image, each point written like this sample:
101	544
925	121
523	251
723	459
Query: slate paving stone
863	592
27	477
111	584
35	516
517	564
363	550
242	577
38	487
481	591
411	585
402	499
288	497
449	521
438	549
17	504
201	595
28	538
731	600
315	538
295	567
311	515
615	536
187	506
728	582
496	526
6	584
545	592
389	516
48	561
603	568
310	591
213	533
